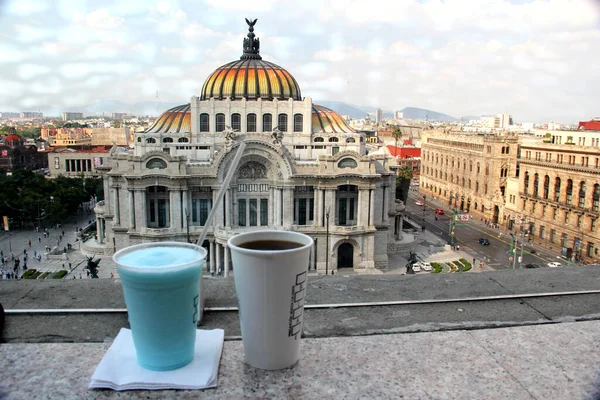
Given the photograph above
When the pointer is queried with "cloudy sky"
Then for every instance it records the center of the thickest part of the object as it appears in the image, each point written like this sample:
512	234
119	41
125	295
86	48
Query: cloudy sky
537	60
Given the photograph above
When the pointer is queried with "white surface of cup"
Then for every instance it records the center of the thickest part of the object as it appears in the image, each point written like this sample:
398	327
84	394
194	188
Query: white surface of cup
271	289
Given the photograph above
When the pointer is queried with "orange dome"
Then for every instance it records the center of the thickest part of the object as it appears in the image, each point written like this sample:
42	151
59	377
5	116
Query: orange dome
250	78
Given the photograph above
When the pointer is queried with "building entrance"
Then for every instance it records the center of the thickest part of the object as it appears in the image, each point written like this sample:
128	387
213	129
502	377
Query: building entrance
345	256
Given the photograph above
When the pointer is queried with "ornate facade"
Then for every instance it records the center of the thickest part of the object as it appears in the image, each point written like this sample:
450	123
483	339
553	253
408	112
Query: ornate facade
468	171
303	169
555	198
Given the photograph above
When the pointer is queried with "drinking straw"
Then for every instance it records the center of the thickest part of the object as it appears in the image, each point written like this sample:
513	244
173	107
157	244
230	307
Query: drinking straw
219	199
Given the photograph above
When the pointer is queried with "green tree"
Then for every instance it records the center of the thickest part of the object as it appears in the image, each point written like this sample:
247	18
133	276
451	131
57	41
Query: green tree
403	179
396	134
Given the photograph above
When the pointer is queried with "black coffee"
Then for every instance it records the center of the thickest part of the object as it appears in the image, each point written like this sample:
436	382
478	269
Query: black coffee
270	245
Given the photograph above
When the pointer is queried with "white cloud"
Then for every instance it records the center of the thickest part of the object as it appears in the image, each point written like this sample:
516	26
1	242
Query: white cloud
26	7
243	5
30	71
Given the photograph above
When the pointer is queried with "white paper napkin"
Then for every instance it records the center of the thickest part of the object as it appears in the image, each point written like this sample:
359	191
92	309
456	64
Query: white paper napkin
119	370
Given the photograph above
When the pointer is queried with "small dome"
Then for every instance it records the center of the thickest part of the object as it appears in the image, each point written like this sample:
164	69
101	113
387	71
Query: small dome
325	120
13	138
175	120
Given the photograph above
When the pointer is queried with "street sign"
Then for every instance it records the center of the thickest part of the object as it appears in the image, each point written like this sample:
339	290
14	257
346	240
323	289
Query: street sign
510	258
452	233
464	217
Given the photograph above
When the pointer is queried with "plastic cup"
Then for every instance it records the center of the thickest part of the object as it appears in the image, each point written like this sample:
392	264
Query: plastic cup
271	288
160	283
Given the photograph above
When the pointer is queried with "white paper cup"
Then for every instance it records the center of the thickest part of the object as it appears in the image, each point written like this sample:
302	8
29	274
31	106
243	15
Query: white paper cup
271	288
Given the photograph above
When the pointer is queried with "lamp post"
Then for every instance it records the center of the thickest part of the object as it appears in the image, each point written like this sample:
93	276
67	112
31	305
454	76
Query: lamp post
424	205
327	242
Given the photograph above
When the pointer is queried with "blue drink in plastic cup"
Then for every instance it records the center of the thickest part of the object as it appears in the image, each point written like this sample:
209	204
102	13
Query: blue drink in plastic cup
160	283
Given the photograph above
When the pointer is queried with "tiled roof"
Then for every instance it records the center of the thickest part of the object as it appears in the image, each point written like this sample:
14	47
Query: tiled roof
175	120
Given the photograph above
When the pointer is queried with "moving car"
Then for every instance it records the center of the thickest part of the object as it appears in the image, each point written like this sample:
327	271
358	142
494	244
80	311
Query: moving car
554	264
425	266
484	242
532	266
439	211
416	267
419	203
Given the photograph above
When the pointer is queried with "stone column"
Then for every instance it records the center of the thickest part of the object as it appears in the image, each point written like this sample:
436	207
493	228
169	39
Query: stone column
140	207
330	204
228	208
360	208
226	264
174	214
271	207
131	210
187	213
317	216
218	219
288	207
100	229
277	207
372	208
212	256
218	254
116	211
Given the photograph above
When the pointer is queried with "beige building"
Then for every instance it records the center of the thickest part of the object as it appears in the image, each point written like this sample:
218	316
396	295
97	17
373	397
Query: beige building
75	163
469	171
304	169
555	198
73	137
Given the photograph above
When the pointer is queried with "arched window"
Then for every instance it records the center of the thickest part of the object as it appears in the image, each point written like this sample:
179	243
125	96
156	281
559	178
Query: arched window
478	168
298	122
350	140
139	139
526	182
536	182
168	140
463	182
236	122
581	195
251	123
267	122
507	149
150	140
183	140
469	183
546	186
569	191
156	163
282	122
470	166
204	123
334	139
557	190
220	125
476	190
487	169
319	139
347	163
596	198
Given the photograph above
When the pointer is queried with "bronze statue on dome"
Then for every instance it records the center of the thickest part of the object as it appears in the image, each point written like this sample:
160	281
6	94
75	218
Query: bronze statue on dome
251	43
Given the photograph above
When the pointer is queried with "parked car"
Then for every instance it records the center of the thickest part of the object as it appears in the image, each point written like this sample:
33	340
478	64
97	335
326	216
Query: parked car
532	266
439	211
554	264
484	242
416	267
425	266
419	203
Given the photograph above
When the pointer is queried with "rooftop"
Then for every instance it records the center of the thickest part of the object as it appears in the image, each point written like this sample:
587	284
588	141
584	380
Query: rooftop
526	337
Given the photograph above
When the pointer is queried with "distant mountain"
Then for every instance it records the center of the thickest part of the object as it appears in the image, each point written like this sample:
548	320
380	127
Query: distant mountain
423	114
343	108
362	111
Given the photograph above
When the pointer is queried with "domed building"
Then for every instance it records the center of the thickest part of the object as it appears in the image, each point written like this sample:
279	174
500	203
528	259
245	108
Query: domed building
303	169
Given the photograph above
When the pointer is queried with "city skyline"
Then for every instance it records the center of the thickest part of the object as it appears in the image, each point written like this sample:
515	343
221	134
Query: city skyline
534	59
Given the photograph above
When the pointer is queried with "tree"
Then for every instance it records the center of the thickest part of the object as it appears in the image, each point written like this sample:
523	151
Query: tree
403	179
396	134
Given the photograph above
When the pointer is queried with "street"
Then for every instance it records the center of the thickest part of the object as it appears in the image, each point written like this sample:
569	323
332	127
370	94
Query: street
467	234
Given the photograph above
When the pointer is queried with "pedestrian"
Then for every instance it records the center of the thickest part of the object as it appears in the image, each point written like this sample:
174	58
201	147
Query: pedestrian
457	247
39	239
63	265
24	251
30	243
80	276
69	265
63	233
474	259
112	275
